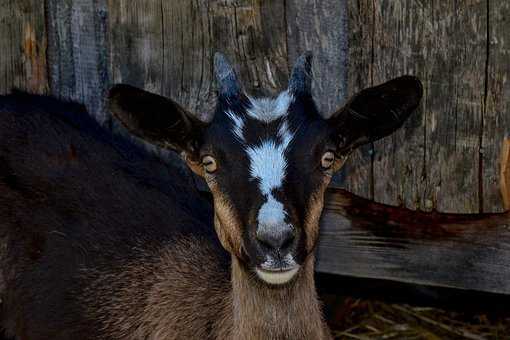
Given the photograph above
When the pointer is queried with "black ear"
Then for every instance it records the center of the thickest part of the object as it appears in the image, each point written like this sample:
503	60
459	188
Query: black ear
376	112
154	118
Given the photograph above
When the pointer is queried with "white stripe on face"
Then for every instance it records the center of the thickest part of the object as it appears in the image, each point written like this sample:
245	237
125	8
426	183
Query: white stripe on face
268	164
238	125
270	109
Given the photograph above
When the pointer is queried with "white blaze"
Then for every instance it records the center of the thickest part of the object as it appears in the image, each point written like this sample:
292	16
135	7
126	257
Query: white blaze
238	125
268	164
270	109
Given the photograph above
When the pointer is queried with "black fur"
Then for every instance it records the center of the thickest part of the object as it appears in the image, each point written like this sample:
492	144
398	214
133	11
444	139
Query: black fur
77	203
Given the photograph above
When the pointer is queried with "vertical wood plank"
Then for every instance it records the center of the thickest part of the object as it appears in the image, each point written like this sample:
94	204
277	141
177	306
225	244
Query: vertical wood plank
253	34
23	46
357	174
321	27
455	83
496	120
138	56
399	169
167	46
187	67
78	54
136	43
433	161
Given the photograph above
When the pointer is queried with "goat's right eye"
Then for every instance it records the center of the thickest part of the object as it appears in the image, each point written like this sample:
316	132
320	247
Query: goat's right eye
209	164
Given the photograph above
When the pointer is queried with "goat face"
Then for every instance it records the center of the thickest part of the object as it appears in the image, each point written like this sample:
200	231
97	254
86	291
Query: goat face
267	161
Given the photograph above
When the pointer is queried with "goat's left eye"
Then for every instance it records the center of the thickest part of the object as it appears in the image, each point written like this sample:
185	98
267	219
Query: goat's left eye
327	160
209	164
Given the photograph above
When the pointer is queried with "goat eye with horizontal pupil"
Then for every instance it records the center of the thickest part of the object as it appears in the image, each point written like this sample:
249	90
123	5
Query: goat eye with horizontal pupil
209	164
327	160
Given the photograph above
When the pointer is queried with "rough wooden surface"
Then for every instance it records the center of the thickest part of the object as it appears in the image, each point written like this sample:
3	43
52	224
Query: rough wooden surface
496	122
357	174
366	239
23	45
320	27
167	47
77	53
433	162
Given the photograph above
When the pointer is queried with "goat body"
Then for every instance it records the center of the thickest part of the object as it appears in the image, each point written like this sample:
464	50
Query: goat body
100	240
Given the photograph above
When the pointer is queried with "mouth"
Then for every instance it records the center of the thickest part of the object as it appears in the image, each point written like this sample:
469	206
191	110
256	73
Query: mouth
277	276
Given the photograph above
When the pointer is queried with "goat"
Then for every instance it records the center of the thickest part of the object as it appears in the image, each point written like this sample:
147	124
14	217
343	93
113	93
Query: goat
103	241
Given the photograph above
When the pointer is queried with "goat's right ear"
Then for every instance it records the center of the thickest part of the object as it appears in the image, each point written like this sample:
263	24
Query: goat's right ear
375	112
155	119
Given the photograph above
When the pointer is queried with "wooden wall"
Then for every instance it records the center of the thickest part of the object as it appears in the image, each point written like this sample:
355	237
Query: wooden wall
447	156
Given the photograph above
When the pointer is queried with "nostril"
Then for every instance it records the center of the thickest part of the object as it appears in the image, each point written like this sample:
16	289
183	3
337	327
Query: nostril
275	238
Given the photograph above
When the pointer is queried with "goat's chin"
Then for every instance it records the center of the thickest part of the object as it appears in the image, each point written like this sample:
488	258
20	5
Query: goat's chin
277	277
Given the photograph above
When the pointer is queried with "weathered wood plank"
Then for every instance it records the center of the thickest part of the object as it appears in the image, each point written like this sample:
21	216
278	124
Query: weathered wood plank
187	38
136	43
138	55
433	161
365	239
398	164
167	46
496	119
78	53
438	166
357	174
253	34
23	46
327	38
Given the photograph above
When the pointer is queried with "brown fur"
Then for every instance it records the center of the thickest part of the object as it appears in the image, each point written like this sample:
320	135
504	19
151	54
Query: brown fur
291	312
174	295
179	296
313	215
226	222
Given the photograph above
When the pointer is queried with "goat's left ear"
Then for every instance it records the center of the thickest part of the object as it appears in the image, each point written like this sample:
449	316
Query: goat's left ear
155	119
375	113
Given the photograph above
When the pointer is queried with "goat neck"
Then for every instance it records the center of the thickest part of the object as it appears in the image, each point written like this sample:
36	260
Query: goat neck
289	312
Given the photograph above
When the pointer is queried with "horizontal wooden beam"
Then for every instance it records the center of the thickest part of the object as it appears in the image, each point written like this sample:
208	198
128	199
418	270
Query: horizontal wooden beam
365	239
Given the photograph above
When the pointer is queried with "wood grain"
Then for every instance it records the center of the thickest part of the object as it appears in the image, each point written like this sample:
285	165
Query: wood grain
77	53
496	120
365	239
357	174
321	27
167	46
433	162
23	45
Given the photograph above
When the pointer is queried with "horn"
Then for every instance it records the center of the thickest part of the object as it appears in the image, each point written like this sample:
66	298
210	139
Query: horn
228	85
300	81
